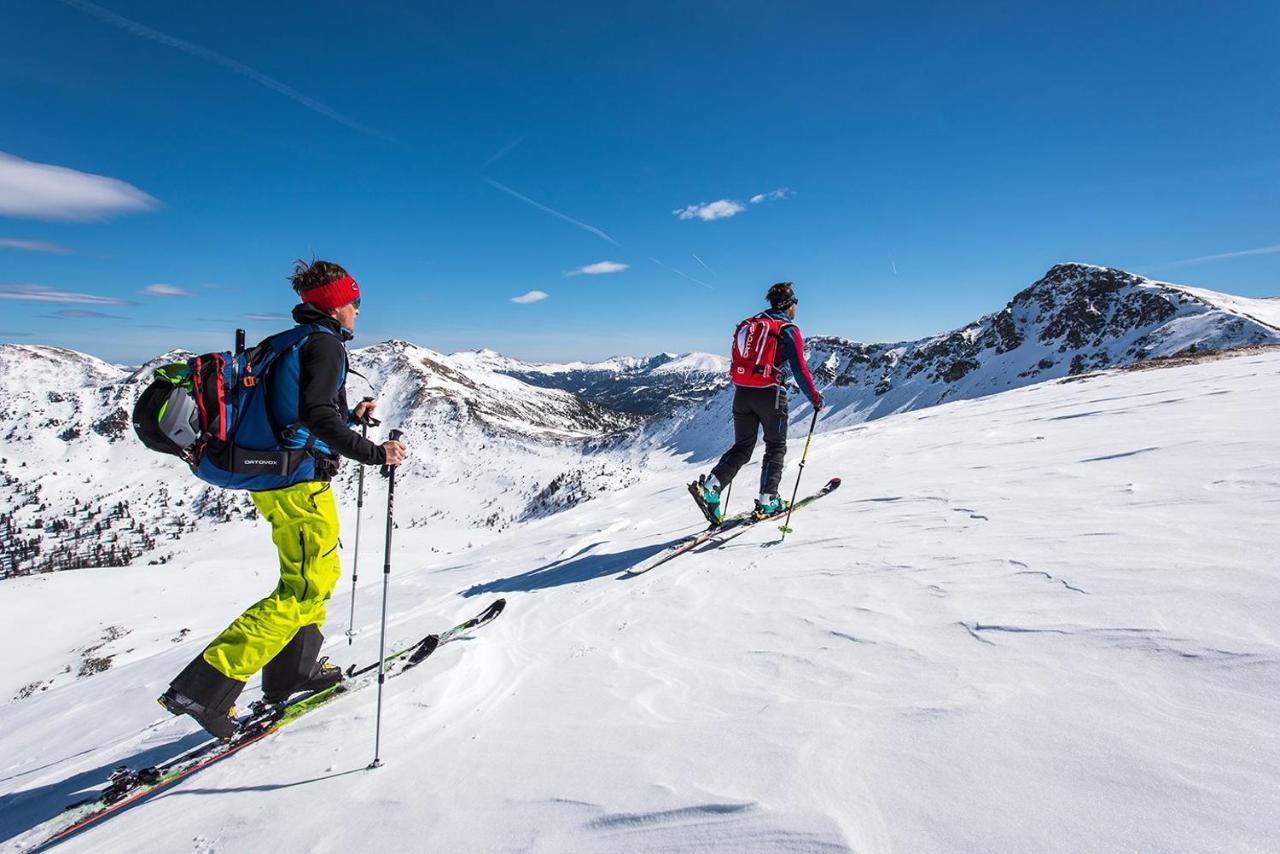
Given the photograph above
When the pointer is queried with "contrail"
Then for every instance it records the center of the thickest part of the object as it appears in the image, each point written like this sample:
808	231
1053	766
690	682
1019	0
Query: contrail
692	279
1186	262
704	264
143	31
506	149
681	273
528	201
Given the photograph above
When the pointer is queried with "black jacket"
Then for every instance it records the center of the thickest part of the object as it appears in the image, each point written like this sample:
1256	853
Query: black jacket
321	363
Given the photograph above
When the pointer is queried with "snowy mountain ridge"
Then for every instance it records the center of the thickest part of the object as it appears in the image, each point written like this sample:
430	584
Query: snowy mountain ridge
1077	318
503	440
79	490
645	387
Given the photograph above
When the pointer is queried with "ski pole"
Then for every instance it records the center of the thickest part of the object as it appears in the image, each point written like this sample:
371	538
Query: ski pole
365	423
785	527
389	472
724	505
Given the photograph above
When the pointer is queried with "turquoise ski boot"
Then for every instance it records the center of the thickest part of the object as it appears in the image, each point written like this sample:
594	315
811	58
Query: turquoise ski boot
769	505
707	496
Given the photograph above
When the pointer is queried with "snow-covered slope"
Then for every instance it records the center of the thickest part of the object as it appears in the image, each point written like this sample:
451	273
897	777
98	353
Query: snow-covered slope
1044	620
37	368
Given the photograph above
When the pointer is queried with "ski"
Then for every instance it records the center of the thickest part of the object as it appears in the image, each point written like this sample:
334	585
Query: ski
718	535
127	787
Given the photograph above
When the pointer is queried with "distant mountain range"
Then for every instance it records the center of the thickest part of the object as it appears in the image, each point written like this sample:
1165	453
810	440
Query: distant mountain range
644	387
498	440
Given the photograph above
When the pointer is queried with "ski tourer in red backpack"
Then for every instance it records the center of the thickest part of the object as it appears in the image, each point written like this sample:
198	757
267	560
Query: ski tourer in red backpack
764	348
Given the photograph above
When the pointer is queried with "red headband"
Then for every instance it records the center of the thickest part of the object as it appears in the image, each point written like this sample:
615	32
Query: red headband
333	295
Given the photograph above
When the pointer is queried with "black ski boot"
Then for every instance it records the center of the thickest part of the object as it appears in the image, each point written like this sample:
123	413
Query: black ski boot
325	675
207	696
295	668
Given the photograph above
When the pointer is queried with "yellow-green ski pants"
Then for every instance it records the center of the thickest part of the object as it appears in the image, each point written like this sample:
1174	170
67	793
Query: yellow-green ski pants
304	527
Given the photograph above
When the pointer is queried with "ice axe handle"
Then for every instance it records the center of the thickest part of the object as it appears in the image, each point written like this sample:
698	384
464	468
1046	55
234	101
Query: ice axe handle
395	436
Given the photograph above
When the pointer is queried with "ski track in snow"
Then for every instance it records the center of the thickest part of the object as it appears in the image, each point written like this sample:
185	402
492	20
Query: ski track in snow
1046	620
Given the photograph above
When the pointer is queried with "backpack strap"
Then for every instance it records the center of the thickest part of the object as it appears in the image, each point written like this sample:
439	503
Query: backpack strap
275	347
293	340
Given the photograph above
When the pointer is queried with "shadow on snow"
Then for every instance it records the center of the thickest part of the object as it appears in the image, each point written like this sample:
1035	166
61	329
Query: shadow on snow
571	570
21	811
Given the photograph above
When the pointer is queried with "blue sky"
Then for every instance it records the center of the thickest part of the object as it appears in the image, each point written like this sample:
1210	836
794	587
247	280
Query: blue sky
919	164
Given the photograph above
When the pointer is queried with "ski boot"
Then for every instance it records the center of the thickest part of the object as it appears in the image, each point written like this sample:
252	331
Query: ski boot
221	724
207	695
769	505
706	494
325	675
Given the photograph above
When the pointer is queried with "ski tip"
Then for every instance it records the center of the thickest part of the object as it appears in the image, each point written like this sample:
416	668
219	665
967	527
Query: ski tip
833	483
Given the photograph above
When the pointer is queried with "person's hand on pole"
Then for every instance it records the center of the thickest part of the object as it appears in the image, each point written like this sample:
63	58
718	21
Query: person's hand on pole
364	413
395	451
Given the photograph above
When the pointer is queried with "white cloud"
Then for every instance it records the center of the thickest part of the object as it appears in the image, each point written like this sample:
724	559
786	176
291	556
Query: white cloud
83	314
45	191
772	195
34	246
266	317
163	290
720	209
43	293
532	296
599	269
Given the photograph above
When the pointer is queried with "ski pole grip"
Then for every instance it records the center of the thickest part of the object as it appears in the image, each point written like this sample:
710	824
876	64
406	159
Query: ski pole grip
368	420
395	436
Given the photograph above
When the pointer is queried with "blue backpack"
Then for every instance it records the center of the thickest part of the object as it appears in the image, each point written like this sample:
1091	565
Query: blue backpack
218	413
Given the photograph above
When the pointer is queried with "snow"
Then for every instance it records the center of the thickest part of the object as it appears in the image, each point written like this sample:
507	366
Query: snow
1264	310
40	368
695	362
1041	620
663	363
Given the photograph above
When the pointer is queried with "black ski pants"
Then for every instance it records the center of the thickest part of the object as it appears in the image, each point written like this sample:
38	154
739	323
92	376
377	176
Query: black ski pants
754	408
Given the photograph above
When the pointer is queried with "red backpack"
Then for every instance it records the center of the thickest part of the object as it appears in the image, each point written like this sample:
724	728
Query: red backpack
755	352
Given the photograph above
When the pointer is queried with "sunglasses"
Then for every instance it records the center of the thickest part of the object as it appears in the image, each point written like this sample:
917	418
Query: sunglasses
356	303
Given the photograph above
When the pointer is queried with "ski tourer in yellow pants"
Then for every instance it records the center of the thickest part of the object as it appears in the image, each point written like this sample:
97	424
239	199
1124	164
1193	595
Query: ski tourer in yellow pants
306	395
279	634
